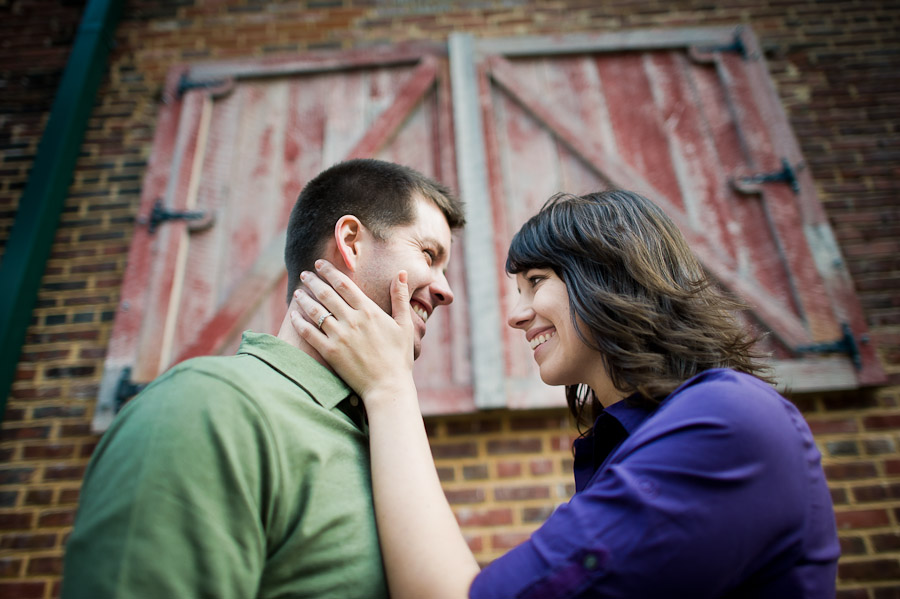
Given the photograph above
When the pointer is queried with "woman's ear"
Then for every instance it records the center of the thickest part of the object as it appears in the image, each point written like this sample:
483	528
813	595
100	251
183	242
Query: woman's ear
347	237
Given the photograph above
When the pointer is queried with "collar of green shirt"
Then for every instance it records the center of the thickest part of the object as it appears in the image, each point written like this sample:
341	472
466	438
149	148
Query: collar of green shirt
326	388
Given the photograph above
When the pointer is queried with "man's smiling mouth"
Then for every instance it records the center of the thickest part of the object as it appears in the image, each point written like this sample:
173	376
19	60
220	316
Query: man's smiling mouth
421	312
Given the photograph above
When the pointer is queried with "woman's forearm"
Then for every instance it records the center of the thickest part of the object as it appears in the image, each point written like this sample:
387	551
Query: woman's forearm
424	550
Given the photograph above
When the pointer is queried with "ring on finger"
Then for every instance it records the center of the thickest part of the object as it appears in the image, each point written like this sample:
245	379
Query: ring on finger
322	319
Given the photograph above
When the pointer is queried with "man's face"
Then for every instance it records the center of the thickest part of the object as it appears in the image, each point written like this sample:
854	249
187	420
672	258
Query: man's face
422	249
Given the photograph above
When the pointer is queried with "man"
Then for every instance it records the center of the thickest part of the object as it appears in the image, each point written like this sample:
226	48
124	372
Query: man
248	475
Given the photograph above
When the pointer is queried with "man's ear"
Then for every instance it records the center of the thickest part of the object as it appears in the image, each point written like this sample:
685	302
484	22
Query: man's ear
347	237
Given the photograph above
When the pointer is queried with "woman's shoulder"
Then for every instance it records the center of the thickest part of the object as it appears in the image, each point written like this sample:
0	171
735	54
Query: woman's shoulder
727	397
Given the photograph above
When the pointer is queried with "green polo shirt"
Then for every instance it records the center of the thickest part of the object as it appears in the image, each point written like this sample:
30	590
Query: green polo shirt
240	476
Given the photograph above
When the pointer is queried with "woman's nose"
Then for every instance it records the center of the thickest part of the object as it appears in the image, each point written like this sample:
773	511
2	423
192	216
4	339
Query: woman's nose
520	315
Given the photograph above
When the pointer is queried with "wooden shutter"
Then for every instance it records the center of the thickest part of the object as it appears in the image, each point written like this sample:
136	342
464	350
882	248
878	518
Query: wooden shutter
235	143
690	119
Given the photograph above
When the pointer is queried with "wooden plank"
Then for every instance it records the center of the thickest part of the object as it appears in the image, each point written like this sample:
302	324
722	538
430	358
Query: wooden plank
387	123
481	282
814	374
617	41
190	204
169	239
244	299
308	64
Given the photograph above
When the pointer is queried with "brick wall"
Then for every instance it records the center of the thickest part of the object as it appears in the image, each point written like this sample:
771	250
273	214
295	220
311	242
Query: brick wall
835	64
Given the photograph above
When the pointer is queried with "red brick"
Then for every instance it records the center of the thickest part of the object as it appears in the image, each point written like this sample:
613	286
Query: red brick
67	496
537	423
886	592
13	476
874	569
28	541
39	497
48	451
850	471
862	519
521	493
508	446
472	427
10	567
508	540
536	514
475	472
43	566
882	422
64	472
56	519
484	517
880	492
454	450
853	546
509	469
22	590
455	496
830	426
16	521
25	432
886	542
475	543
541	467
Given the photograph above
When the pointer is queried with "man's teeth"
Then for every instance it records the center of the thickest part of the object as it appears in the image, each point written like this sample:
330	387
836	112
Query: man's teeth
421	312
540	339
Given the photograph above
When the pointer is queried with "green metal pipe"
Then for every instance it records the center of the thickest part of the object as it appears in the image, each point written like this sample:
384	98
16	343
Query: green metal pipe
37	217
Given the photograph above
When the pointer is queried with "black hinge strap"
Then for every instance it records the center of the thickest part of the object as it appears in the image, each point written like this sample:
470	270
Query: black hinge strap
845	345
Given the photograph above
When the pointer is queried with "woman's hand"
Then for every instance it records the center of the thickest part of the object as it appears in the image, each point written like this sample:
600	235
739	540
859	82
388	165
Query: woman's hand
371	350
425	554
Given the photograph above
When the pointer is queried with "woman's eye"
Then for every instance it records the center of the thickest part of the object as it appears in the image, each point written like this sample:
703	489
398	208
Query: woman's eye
431	255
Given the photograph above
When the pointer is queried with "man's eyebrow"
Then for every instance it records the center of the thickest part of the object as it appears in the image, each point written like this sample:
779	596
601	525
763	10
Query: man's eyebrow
437	245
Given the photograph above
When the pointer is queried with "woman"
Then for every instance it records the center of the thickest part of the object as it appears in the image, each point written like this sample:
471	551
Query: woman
695	479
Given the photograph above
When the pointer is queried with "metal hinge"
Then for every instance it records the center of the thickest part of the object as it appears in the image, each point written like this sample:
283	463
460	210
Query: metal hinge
845	345
126	389
185	84
160	214
787	174
736	46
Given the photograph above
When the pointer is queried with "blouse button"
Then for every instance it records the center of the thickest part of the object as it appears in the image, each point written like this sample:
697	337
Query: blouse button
354	401
590	561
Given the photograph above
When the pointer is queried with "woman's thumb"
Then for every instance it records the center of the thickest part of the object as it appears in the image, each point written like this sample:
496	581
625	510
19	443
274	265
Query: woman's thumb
400	298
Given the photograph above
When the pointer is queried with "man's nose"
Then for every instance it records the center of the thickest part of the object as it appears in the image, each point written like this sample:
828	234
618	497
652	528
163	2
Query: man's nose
441	291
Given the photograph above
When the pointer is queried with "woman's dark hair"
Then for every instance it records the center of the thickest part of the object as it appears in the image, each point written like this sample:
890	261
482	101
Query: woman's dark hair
644	300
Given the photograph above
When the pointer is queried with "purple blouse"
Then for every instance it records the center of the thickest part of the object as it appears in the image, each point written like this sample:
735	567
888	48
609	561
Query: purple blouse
719	492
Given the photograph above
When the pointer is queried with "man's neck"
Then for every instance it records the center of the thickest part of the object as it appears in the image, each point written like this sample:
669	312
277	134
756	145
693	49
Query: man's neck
288	334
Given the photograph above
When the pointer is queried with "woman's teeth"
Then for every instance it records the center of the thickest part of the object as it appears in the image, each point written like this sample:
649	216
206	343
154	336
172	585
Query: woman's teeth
421	312
541	339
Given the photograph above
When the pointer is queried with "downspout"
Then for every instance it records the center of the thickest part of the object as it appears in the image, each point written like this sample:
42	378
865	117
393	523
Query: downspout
37	217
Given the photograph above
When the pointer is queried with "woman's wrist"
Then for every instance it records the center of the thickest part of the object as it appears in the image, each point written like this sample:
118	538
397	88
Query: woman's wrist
390	395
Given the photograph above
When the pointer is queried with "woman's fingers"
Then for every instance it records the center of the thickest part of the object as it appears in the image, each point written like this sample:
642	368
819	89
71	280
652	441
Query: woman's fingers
341	284
315	312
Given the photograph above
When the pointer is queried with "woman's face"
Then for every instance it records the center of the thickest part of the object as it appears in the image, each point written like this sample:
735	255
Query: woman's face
543	313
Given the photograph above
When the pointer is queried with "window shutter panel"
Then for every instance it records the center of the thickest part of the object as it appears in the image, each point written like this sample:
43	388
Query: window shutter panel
690	119
237	141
